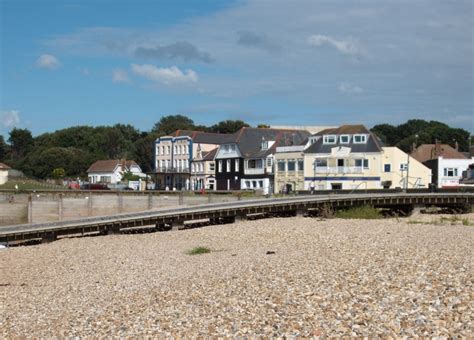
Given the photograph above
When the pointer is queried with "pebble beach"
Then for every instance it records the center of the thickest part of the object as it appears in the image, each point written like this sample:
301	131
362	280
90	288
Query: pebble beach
293	277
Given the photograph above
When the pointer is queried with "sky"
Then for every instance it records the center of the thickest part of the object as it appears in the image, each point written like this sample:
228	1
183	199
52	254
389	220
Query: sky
67	63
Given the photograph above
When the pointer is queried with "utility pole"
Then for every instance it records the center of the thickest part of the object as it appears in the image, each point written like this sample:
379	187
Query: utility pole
408	163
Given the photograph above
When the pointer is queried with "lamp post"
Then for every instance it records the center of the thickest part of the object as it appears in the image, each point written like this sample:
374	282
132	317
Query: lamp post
408	163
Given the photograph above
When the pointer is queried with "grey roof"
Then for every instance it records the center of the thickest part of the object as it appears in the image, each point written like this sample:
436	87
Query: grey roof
373	143
249	140
205	137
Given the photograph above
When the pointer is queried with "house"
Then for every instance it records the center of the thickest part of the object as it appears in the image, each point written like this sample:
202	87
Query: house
203	171
247	161
110	171
175	153
4	173
446	163
351	157
289	169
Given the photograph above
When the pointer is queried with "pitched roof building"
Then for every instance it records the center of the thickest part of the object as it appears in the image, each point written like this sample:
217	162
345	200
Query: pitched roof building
425	152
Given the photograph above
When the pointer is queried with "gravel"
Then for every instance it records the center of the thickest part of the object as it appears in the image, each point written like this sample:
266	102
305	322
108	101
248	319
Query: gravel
274	277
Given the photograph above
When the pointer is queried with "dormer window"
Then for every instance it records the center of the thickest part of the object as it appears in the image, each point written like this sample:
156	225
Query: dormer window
329	139
360	139
264	145
344	139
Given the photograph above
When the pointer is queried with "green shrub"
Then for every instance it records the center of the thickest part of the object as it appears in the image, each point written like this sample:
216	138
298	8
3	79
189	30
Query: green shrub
362	212
198	251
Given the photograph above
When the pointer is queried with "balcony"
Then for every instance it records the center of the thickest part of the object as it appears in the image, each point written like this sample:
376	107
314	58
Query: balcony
171	170
339	170
255	171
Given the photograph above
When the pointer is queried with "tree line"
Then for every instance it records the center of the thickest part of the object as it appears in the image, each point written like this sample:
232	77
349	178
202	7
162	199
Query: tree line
74	149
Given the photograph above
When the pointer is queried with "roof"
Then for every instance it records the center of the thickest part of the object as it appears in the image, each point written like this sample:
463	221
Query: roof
209	156
204	137
373	143
3	166
426	152
109	165
250	140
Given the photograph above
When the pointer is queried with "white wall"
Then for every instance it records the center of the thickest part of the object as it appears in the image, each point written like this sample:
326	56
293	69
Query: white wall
3	176
459	164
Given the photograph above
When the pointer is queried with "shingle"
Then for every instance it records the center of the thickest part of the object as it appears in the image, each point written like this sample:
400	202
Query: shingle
426	152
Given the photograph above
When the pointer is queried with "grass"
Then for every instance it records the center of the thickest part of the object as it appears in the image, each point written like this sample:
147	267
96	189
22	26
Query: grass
362	212
29	184
452	220
198	251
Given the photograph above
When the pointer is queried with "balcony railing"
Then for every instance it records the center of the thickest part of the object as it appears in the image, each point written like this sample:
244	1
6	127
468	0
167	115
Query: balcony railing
339	170
173	170
255	171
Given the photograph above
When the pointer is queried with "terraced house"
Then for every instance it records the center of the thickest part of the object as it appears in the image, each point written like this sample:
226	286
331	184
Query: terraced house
176	154
351	157
247	161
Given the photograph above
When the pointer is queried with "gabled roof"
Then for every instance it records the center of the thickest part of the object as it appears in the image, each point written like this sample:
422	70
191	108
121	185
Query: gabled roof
109	165
249	140
426	152
3	166
210	155
204	137
373	142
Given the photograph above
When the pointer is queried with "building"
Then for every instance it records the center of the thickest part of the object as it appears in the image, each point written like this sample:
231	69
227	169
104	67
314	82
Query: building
4	173
351	157
397	167
203	171
446	163
110	171
174	155
289	168
247	161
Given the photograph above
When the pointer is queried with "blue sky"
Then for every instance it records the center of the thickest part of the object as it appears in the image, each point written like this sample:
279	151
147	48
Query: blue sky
66	63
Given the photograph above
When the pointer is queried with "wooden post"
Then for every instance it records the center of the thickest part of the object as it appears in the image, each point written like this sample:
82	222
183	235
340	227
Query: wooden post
30	209
60	207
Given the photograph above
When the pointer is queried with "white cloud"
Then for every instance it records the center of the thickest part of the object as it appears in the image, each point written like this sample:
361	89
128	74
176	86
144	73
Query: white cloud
169	76
349	88
120	76
48	61
349	47
9	119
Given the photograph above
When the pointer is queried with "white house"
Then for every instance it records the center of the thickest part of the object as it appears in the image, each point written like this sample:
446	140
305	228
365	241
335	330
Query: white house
111	171
3	173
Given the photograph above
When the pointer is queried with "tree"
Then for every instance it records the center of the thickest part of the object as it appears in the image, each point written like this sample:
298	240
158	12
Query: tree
3	149
59	173
143	152
263	126
168	124
21	142
228	126
129	176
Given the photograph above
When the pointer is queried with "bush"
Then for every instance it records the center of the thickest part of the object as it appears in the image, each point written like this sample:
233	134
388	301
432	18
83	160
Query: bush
362	212
198	251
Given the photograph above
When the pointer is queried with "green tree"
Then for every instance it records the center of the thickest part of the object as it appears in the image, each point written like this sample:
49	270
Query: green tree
21	142
168	124
129	176
228	126
59	173
3	149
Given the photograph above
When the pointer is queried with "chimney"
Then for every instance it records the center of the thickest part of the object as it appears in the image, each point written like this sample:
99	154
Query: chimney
456	146
437	150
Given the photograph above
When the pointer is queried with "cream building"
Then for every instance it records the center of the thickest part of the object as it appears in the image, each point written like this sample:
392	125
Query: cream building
351	157
4	173
289	169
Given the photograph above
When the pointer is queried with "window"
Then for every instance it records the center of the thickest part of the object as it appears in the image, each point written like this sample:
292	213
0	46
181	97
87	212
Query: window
281	165
226	148
291	165
228	165
329	139
264	145
219	166
105	179
236	165
168	150
403	166
157	150
300	165
358	163
360	139
176	149
269	162
387	167
344	139
232	147
321	162
366	163
362	163
212	166
193	167
450	172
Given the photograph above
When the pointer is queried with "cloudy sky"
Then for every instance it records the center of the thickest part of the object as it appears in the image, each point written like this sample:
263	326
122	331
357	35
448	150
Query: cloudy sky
330	62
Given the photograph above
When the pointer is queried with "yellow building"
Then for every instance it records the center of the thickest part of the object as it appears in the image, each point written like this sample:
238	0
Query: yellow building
396	166
351	157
